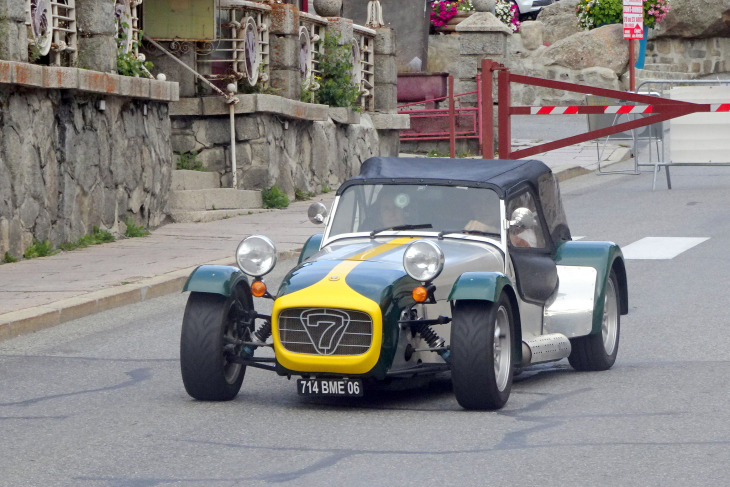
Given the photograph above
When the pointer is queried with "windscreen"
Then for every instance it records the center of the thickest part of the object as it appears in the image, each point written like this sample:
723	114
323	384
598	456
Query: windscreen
365	208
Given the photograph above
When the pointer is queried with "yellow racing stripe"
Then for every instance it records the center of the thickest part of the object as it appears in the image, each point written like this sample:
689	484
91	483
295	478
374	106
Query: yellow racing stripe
333	292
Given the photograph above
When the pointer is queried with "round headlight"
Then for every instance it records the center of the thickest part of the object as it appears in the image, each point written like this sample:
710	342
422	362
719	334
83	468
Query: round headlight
423	260
256	255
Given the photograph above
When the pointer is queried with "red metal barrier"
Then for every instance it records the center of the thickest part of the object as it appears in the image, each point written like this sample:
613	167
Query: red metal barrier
450	123
662	108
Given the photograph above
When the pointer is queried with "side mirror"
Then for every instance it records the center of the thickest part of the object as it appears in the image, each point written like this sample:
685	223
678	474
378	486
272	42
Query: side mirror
317	213
523	218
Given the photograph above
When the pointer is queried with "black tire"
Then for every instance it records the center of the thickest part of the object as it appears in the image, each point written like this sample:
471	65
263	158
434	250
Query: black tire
207	373
589	352
473	373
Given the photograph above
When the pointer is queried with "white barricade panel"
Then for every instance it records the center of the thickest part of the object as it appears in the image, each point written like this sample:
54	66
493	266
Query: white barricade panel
700	137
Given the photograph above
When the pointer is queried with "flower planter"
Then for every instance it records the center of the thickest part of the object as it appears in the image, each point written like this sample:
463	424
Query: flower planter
413	87
454	21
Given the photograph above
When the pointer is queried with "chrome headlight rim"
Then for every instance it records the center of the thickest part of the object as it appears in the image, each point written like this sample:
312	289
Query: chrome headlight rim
252	270
423	246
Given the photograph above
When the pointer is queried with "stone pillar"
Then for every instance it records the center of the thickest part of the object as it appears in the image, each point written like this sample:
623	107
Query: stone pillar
341	27
386	70
13	32
96	31
481	36
284	53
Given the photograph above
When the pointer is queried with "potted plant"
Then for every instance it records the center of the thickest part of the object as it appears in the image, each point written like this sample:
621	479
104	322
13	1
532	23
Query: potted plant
596	13
447	14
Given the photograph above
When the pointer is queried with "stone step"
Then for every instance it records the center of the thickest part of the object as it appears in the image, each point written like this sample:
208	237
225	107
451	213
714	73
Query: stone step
645	74
179	216
214	199
183	179
665	68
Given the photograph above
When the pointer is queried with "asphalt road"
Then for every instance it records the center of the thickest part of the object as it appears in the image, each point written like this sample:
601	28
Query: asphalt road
100	401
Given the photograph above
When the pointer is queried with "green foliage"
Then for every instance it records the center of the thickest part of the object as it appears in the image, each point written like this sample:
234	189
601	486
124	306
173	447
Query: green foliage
39	249
9	259
326	188
337	88
595	13
260	88
189	161
34	52
436	153
274	198
301	195
464	155
135	230
97	237
127	63
308	94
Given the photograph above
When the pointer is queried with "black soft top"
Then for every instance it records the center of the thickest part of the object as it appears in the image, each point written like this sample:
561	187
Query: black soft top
506	177
500	175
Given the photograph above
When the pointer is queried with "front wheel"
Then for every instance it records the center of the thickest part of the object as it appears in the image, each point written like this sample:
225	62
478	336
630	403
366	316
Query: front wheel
211	328
481	353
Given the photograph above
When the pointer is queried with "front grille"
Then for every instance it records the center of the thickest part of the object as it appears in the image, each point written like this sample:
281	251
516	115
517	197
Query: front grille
325	331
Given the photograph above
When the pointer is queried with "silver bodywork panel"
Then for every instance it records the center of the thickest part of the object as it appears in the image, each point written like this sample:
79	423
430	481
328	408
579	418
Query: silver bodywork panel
571	313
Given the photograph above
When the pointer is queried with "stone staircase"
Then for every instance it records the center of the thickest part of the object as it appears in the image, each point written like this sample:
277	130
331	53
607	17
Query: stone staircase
662	71
196	196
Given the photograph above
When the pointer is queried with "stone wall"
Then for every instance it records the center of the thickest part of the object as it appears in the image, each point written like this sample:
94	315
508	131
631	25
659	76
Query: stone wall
696	56
293	154
67	166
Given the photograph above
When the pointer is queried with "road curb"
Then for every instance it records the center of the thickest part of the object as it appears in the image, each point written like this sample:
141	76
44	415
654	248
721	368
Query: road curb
30	320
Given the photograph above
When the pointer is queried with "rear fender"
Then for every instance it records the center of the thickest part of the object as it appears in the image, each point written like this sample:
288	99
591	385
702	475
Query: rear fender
604	257
216	279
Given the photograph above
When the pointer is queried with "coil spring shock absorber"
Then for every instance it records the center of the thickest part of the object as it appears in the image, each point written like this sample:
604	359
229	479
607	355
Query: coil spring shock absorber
433	340
262	334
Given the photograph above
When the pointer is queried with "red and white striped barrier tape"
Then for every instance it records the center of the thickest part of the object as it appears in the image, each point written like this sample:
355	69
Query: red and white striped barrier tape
612	109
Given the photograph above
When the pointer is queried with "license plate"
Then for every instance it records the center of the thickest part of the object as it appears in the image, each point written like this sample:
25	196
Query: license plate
330	387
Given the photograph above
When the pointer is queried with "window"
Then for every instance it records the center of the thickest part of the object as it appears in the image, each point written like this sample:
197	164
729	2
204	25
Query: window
531	237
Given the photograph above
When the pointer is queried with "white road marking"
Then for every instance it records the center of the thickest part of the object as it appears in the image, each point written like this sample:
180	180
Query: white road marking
659	248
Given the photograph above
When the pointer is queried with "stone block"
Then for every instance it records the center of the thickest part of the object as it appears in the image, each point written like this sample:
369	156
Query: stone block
28	74
386	97
7	72
344	115
98	53
184	180
217	131
13	40
174	91
532	33
390	121
284	52
247	128
95	17
386	69
182	143
159	90
95	81
468	66
62	78
214	105
483	44
284	19
343	28
12	10
286	82
385	41
187	106
483	22
140	87
697	54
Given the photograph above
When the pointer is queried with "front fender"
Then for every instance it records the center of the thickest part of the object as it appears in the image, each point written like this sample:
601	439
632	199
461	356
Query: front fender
215	279
483	286
311	247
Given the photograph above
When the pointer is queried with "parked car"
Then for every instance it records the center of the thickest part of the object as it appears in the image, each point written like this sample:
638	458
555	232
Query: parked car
529	9
424	266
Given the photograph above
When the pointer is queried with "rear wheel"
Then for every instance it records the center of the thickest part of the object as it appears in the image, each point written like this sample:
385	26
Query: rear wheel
212	325
481	353
598	352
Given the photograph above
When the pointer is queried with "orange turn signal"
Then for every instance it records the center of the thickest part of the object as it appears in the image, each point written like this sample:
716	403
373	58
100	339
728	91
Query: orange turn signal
258	288
420	294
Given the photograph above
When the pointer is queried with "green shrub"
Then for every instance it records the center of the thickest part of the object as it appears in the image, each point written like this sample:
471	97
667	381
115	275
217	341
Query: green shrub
436	153
274	198
326	188
336	86
39	249
9	259
127	63
97	237
135	230
301	195
189	161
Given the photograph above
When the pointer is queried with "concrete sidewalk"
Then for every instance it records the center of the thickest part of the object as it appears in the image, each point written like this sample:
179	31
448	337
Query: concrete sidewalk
44	292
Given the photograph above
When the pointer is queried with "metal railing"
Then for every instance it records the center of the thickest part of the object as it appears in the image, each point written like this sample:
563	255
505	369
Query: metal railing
363	65
52	31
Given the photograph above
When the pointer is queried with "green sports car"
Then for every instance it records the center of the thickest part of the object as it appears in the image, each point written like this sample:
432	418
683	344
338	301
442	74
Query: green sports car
424	266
